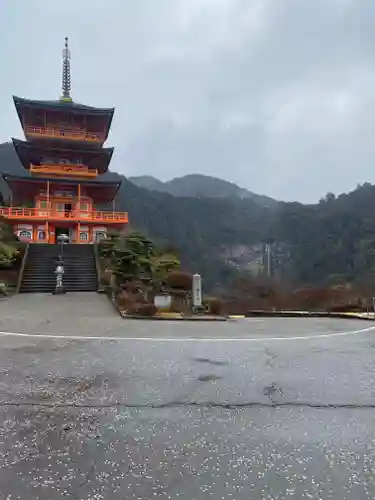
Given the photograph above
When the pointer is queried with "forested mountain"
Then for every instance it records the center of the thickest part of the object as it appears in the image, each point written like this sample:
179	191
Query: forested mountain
332	241
201	228
201	186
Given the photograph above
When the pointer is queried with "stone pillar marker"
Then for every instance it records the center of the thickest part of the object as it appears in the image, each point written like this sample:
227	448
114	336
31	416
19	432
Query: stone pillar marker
197	292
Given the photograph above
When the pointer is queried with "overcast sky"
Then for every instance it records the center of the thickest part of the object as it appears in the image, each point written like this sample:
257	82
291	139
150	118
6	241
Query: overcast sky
275	95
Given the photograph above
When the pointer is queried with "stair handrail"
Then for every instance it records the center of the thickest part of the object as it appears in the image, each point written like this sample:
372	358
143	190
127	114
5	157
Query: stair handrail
98	269
20	275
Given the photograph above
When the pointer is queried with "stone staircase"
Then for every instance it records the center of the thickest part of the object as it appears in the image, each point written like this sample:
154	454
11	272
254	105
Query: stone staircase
79	266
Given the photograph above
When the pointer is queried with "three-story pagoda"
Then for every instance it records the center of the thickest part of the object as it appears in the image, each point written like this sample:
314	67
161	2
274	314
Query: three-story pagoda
64	156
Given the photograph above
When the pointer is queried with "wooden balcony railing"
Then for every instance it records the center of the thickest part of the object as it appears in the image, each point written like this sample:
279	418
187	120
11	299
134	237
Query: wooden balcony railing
41	214
59	133
65	170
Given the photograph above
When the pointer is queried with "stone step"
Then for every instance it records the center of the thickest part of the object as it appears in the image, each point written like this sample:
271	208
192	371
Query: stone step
79	266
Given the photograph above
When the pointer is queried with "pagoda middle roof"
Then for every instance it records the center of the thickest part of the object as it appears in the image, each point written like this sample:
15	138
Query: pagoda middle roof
70	106
30	152
28	187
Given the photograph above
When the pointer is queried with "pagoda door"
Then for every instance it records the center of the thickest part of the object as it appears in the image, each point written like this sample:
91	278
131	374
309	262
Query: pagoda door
68	210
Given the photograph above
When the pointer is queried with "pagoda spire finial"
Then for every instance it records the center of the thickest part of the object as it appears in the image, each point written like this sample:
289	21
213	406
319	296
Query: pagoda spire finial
66	76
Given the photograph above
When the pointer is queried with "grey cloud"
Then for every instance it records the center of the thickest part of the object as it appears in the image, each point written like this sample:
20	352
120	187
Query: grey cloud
276	95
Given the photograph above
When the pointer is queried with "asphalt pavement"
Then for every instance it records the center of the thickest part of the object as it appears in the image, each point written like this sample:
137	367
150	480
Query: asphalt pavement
94	407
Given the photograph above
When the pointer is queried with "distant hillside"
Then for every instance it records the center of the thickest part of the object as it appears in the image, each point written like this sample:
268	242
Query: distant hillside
201	186
331	242
202	228
149	182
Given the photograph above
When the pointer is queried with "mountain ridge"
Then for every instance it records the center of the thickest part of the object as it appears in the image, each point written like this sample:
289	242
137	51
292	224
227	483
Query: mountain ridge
224	238
200	186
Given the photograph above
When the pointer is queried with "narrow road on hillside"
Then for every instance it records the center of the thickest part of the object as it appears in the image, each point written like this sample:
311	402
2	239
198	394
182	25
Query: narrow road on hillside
94	407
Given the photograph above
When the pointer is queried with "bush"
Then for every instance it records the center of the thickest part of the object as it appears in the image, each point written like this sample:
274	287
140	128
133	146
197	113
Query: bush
105	277
180	280
8	255
148	310
343	308
214	305
122	300
3	289
133	287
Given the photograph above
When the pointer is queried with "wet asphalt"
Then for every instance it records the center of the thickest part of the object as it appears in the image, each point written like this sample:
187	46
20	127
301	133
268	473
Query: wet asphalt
248	409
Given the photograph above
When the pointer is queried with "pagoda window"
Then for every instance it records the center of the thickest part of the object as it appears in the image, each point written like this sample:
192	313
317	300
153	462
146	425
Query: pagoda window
41	235
84	236
60	207
84	207
43	204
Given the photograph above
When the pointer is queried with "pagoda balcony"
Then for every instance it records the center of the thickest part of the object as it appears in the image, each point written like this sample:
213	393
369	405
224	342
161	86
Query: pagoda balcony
39	214
72	134
64	170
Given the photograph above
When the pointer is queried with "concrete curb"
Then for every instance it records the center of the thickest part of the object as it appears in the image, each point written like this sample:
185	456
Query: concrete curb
166	318
175	318
307	314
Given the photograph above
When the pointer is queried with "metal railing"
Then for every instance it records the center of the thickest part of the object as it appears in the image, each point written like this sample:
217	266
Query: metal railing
66	170
22	268
48	214
65	133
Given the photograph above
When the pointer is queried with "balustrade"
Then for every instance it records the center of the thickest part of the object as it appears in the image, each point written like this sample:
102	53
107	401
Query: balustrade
48	214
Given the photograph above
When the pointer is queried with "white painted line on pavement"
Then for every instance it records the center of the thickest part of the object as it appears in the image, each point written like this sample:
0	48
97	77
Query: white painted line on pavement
189	339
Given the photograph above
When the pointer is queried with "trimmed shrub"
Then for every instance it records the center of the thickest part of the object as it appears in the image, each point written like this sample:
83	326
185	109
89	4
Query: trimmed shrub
214	305
180	280
148	310
8	255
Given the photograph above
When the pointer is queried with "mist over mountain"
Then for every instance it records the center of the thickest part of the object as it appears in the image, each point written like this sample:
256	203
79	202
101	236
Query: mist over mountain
201	186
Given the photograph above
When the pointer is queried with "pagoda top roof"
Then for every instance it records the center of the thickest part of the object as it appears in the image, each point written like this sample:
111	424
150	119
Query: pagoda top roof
28	187
30	152
62	105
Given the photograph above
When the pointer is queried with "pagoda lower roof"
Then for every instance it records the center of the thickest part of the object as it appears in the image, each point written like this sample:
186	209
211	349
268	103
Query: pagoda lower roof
31	152
27	187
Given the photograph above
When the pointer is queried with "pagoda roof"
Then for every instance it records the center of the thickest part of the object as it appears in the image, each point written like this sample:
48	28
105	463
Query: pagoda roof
31	152
61	105
65	106
27	187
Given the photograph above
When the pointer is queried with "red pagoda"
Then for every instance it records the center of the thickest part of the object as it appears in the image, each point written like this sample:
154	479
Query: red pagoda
64	156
